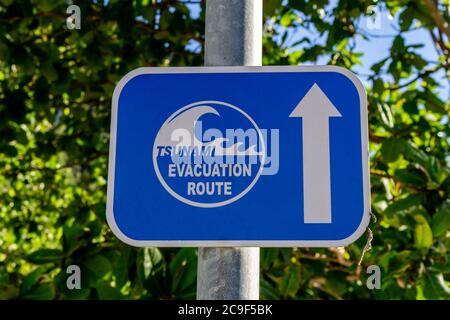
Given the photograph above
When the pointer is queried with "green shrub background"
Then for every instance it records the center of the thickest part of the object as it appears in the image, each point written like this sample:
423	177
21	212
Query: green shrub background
55	101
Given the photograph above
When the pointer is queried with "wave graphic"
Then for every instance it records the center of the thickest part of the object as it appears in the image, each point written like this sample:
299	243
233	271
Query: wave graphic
179	132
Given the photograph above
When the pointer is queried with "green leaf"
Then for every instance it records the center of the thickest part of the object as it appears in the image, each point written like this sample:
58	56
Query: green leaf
267	291
10	151
30	279
400	262
149	262
290	283
121	266
414	154
295	4
9	292
42	292
7	2
423	236
406	18
378	86
155	258
97	268
433	102
43	256
433	168
48	70
410	106
398	43
183	267
385	114
336	283
47	5
404	204
440	222
434	286
72	234
107	292
410	176
268	256
377	66
391	149
271	7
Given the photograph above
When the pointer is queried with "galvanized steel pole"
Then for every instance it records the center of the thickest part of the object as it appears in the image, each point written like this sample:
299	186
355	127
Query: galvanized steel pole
233	38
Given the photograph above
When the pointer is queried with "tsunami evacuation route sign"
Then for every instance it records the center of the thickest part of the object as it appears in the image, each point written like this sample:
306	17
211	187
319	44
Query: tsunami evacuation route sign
239	156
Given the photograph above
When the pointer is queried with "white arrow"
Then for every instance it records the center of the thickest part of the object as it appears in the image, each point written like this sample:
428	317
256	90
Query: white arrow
315	108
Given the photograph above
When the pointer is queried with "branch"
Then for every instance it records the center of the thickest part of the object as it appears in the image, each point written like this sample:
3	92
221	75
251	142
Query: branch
439	44
325	259
438	19
419	76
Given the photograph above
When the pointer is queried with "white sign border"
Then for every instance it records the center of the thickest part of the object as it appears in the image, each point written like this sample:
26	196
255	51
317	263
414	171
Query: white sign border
236	243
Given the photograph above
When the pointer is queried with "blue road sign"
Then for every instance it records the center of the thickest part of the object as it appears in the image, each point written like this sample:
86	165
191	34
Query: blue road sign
239	156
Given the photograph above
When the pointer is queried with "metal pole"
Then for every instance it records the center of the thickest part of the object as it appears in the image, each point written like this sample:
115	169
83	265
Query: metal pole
233	38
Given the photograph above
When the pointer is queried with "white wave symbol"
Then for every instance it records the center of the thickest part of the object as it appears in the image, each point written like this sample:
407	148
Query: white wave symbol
179	132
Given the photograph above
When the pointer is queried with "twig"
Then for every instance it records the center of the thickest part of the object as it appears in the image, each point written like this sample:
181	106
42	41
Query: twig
438	19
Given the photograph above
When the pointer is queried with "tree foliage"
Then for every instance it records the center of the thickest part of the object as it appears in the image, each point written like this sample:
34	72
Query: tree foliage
55	94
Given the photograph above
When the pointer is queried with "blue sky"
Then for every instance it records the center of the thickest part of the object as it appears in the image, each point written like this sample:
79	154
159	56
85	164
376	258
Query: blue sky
380	40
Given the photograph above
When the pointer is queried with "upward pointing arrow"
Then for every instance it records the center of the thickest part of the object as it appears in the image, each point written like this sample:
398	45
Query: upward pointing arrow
315	108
